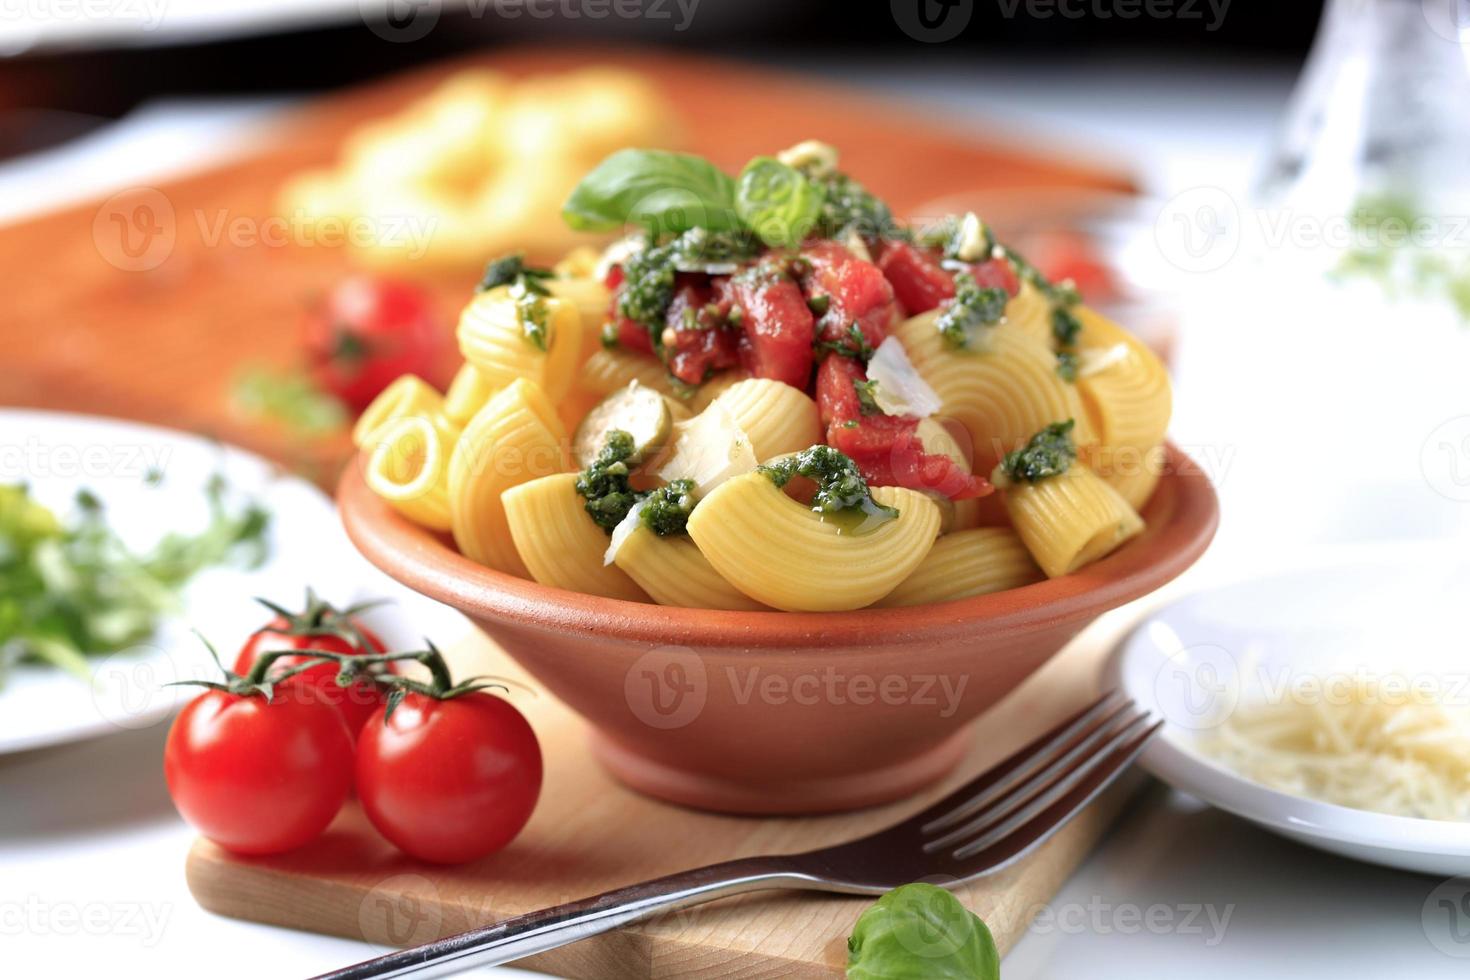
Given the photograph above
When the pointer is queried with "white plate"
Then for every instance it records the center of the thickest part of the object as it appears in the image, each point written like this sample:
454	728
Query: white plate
1385	608
58	454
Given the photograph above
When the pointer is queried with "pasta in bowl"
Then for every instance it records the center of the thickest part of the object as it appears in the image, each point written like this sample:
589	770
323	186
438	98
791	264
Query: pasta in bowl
779	494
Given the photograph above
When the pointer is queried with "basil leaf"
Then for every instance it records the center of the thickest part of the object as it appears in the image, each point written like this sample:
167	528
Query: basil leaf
920	932
778	202
665	192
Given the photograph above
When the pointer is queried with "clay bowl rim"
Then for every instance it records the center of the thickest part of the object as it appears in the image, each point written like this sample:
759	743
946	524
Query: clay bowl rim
429	563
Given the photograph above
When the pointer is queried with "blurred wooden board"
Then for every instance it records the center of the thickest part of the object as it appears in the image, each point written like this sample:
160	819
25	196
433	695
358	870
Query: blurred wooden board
589	834
165	345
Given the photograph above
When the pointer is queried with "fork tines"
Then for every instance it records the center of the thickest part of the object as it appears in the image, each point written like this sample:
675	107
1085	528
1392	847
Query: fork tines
1018	803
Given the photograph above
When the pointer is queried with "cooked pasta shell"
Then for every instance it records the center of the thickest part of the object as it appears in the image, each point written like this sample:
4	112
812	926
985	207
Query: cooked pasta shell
559	543
780	552
967	563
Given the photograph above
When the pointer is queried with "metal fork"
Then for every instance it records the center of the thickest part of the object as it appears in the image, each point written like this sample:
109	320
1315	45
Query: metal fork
976	830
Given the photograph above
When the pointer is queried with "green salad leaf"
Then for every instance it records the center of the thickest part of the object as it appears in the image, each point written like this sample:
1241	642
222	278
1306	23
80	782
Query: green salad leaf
73	589
921	932
665	192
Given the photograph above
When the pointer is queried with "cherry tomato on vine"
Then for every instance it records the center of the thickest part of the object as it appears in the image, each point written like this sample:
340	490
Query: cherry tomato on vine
449	780
319	626
256	770
367	332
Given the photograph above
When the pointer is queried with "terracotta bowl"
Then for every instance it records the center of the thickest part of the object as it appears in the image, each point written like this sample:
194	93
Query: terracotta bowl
772	712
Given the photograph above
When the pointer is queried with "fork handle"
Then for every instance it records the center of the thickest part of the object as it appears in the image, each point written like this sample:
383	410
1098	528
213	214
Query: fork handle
536	932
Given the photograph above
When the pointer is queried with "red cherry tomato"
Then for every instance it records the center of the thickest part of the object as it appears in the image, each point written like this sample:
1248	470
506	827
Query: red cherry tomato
356	702
449	781
367	333
258	776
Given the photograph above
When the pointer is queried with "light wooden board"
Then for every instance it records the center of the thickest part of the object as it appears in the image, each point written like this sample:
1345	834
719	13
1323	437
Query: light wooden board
590	834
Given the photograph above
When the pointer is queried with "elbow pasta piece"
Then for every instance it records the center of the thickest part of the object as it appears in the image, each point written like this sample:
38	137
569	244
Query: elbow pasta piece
516	437
408	396
560	544
1128	399
1029	312
592	300
967	563
674	572
467	394
1071	519
714	388
1002	393
937	439
409	468
780	552
775	417
1135	475
580	263
492	337
608	370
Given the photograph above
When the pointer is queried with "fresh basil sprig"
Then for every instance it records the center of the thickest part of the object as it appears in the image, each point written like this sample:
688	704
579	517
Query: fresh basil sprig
667	193
921	932
671	193
778	202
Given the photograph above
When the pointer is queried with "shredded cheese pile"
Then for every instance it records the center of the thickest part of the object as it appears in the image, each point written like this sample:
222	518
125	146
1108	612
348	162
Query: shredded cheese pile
1374	744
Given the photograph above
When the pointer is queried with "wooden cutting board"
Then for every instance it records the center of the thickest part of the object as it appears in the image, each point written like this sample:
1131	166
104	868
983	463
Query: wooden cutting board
166	345
589	834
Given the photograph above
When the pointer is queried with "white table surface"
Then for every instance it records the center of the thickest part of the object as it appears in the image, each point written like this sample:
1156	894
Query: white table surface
91	852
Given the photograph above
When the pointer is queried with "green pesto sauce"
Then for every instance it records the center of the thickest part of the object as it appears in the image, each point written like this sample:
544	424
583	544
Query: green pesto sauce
604	484
842	495
666	510
1050	452
849	206
533	311
509	269
973	308
1067	366
1065	327
867	392
648	286
853	344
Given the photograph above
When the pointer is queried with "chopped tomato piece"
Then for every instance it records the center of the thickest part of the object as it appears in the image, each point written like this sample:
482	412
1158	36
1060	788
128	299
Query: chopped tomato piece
854	292
697	339
997	273
922	284
776	326
886	448
918	280
630	333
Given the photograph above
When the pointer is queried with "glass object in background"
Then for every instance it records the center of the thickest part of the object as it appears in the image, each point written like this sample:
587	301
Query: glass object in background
1343	342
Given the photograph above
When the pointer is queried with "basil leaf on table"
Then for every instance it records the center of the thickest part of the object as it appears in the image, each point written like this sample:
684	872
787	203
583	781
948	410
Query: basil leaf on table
921	932
665	192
